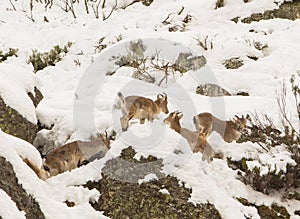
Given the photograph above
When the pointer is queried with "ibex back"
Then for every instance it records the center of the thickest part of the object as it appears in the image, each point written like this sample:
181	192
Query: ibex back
141	108
196	140
231	130
71	156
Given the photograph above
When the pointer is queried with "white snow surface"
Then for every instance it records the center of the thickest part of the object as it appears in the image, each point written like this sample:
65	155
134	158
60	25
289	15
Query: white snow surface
80	100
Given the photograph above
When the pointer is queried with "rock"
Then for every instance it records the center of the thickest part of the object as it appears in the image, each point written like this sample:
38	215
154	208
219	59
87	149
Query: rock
211	90
11	122
45	141
9	184
287	10
233	63
186	62
242	93
124	199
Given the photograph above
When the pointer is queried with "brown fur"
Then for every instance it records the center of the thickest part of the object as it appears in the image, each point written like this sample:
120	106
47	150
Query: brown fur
231	130
136	107
41	173
196	140
70	156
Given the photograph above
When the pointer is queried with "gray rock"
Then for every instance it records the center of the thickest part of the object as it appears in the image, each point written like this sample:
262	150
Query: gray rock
186	62
212	90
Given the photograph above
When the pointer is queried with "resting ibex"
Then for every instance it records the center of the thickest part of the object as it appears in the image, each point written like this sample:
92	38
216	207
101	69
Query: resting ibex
196	140
141	108
71	156
231	130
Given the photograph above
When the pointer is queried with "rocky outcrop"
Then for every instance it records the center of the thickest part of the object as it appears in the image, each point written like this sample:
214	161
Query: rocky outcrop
9	184
287	10
13	123
123	199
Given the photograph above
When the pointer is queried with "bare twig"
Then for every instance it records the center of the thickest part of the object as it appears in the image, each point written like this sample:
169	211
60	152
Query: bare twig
112	10
281	102
181	10
14	8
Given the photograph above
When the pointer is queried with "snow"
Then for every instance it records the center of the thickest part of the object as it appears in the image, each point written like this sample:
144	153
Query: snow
80	100
7	203
23	81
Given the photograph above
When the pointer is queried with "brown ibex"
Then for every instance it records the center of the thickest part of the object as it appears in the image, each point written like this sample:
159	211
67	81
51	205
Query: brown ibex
231	130
71	156
141	108
196	140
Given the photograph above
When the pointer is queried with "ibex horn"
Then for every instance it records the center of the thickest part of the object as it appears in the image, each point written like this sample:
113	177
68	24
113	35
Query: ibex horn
237	117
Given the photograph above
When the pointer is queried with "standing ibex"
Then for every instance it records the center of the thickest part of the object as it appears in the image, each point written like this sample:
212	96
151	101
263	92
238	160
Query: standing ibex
71	156
231	130
196	140
141	108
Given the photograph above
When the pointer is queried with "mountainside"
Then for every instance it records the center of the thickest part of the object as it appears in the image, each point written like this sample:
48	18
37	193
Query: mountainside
63	64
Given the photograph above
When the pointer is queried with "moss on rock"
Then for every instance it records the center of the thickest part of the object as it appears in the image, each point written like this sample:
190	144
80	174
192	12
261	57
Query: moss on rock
123	197
9	184
11	122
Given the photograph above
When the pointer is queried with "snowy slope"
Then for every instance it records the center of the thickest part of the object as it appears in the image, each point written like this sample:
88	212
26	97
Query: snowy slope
79	99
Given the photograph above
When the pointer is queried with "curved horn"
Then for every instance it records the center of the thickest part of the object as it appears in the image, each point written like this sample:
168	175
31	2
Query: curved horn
164	94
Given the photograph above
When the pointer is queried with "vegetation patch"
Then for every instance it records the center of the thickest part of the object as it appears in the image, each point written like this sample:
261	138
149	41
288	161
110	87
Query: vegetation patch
261	130
9	184
122	196
11	52
40	61
268	212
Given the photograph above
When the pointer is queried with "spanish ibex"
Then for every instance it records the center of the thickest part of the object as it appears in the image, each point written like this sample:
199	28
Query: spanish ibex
196	140
71	156
141	108
231	130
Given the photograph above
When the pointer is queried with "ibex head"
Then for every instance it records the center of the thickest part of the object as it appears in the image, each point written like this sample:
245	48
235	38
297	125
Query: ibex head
105	139
173	120
240	123
162	102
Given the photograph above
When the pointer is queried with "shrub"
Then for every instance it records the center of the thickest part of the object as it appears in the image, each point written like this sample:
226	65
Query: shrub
263	132
43	60
5	55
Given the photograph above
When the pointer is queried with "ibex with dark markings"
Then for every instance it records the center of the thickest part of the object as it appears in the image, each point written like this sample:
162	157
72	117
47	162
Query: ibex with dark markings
136	107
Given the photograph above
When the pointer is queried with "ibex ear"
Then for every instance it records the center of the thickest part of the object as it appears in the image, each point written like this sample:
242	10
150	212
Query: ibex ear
164	96
180	115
